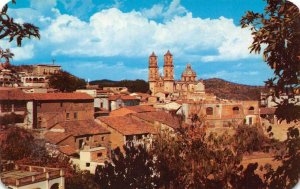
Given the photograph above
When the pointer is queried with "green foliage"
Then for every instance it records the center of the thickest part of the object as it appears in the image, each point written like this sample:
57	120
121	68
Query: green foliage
11	119
287	174
134	169
132	85
193	160
11	30
278	30
19	144
250	139
81	180
66	82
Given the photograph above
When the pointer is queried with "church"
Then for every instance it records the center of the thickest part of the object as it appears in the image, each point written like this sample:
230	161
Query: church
186	88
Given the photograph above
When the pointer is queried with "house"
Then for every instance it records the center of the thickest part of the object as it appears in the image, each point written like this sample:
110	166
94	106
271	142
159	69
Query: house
159	119
47	109
13	101
118	101
78	134
85	142
26	176
34	81
126	130
132	109
222	113
46	69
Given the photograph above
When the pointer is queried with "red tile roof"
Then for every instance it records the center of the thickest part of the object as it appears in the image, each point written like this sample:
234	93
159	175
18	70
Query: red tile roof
61	96
83	127
68	150
7	93
56	137
160	116
267	111
127	125
123	97
132	109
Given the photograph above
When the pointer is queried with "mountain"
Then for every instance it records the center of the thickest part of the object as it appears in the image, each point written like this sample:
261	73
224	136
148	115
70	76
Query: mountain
219	87
229	90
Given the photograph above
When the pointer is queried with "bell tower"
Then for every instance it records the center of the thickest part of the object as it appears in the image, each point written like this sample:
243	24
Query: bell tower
168	72
153	72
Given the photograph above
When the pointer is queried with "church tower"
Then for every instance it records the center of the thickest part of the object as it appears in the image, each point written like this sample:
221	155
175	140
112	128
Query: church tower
168	73
153	72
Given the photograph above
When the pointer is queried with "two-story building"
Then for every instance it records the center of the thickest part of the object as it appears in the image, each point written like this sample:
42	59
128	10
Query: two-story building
126	130
47	109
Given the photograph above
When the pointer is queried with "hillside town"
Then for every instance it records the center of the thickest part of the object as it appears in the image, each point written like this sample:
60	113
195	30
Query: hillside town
87	124
149	95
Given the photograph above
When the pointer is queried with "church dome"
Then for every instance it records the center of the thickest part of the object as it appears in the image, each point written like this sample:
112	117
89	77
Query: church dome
189	71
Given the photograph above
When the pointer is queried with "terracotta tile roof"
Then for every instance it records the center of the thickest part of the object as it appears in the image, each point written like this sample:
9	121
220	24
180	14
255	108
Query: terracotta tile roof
127	97
7	93
123	97
56	137
114	97
267	111
127	125
83	127
160	116
132	109
68	150
61	96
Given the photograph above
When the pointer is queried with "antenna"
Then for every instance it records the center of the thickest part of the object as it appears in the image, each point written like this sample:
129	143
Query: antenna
53	61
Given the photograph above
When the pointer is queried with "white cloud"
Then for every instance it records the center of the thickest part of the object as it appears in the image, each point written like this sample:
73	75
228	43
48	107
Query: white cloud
20	53
154	12
23	53
112	32
175	9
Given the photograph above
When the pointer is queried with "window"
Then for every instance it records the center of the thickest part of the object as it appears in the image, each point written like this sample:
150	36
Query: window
87	164
99	154
81	143
102	138
68	116
88	138
209	111
101	105
235	110
61	104
251	110
75	115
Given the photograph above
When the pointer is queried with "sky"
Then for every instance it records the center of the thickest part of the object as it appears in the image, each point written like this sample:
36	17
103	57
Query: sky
112	39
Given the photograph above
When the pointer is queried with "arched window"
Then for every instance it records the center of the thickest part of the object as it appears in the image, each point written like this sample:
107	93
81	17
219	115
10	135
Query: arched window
236	110
251	110
209	111
55	186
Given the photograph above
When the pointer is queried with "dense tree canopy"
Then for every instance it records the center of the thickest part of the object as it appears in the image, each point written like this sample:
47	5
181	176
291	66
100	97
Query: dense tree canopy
133	169
66	82
276	32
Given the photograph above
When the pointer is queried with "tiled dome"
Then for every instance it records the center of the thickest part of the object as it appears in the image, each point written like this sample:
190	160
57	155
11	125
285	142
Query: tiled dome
189	71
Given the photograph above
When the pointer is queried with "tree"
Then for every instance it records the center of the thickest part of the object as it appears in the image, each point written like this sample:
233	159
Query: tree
133	170
287	174
11	30
277	32
66	82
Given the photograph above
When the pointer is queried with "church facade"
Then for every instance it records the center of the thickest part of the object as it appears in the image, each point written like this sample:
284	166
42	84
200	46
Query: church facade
186	88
